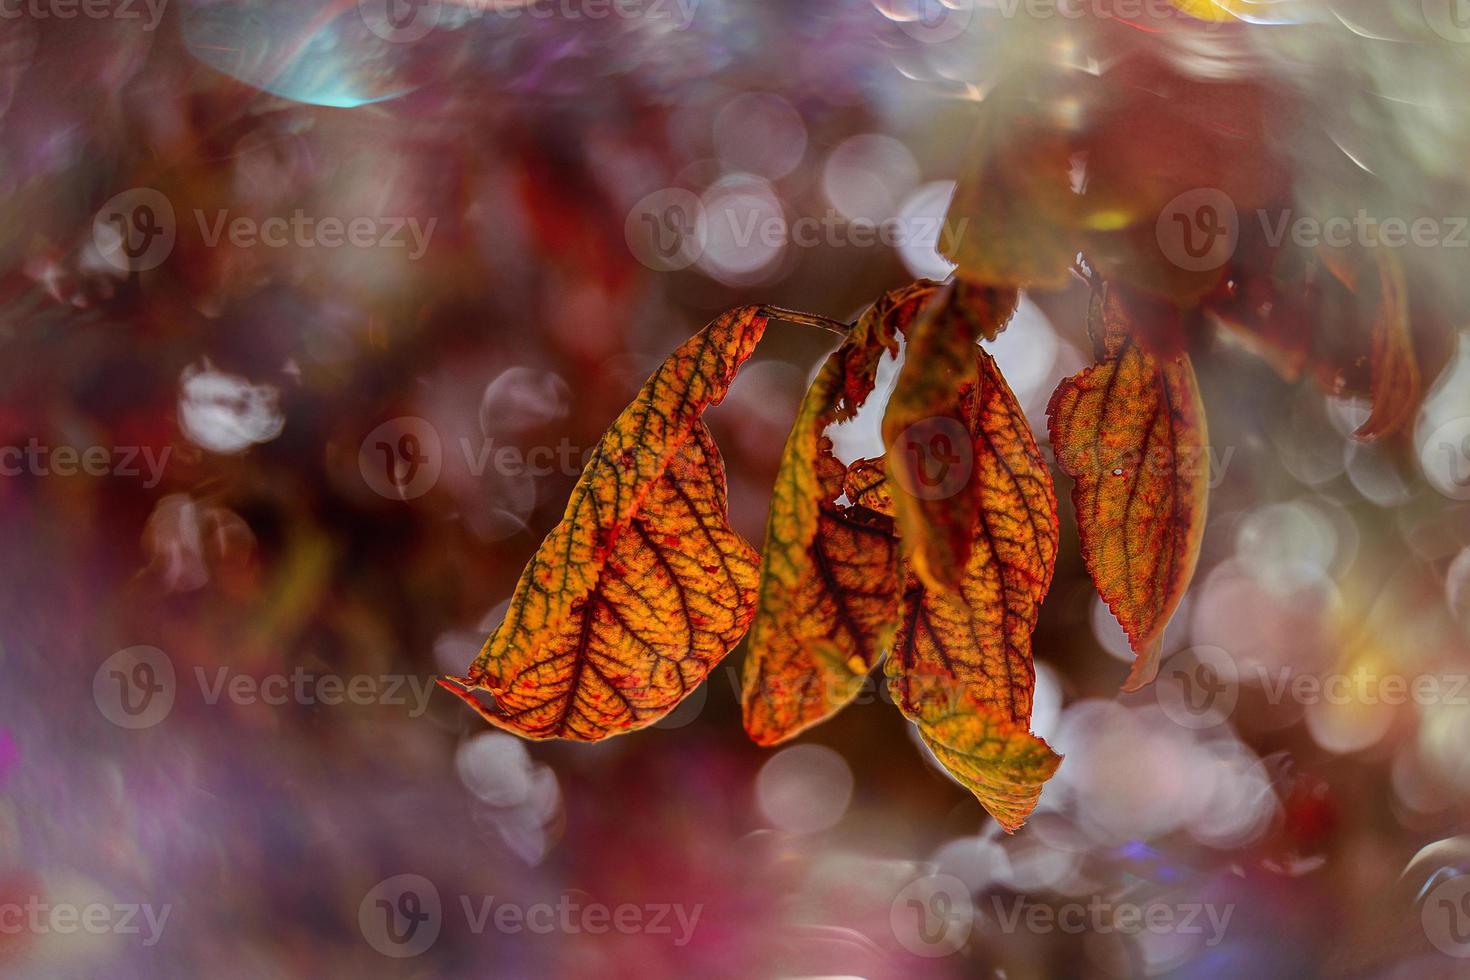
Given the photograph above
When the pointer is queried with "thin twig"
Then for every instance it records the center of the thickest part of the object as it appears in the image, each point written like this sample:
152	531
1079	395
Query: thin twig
807	319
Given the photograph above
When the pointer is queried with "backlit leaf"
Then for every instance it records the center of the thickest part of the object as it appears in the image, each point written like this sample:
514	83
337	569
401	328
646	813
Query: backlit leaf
992	756
828	592
643	587
1131	432
930	447
961	666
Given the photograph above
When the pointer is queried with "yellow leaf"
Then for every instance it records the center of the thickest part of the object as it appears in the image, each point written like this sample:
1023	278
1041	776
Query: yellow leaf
995	758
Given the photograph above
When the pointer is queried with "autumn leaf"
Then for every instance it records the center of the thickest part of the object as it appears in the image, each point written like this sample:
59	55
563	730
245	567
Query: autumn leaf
1131	432
991	755
828	591
643	587
929	446
961	666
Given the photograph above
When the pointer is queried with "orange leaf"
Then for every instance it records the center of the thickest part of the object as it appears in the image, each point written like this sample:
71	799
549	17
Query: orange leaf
961	665
1131	432
828	592
643	587
931	450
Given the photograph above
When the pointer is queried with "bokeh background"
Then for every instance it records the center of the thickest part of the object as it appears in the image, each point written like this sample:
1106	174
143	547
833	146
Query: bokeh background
219	619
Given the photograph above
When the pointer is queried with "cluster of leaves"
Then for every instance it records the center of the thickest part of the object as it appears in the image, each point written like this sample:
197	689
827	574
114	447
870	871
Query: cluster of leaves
937	555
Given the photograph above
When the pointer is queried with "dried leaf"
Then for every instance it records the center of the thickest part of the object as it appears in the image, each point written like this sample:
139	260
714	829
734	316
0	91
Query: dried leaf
828	592
932	451
1131	432
643	587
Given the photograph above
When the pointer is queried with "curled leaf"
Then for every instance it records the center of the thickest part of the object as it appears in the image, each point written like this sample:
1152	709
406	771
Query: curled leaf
828	590
643	587
1131	432
932	451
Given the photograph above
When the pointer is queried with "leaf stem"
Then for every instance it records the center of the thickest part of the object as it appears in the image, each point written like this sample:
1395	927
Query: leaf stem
807	319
